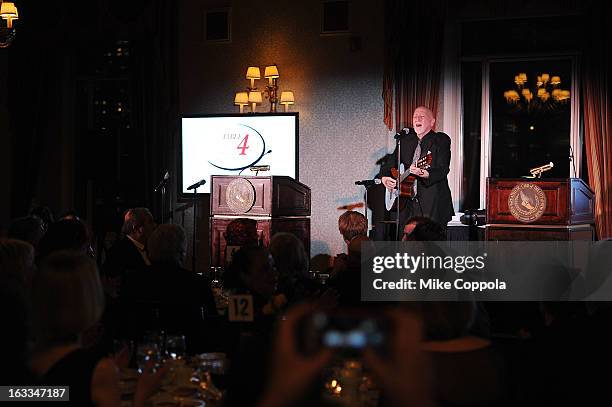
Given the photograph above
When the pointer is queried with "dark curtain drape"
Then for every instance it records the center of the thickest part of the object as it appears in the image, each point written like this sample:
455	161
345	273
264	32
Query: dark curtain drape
35	71
155	81
414	34
597	105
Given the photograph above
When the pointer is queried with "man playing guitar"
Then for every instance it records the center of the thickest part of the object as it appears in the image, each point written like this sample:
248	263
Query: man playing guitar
427	155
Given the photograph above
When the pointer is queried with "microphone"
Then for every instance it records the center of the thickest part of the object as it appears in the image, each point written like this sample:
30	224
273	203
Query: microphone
196	185
404	132
368	182
537	172
162	182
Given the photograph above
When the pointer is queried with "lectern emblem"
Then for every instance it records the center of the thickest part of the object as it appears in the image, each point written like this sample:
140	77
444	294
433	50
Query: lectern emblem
527	202
240	195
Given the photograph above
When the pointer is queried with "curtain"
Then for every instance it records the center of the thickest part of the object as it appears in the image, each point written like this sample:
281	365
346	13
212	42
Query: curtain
597	113
155	79
413	55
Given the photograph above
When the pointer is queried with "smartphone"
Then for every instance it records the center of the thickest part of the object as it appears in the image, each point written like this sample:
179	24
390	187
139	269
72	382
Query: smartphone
347	331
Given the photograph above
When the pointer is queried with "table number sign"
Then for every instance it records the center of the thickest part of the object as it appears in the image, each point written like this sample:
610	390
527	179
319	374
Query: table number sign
240	308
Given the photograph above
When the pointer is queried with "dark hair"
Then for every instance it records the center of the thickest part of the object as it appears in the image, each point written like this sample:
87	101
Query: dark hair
241	263
16	260
167	245
351	224
242	232
44	213
289	255
29	229
135	218
66	234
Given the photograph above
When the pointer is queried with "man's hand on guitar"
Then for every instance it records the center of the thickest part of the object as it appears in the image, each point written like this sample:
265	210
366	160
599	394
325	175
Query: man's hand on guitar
388	182
419	172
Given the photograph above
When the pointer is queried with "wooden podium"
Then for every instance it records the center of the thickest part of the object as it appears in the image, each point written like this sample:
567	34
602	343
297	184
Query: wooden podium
277	203
539	209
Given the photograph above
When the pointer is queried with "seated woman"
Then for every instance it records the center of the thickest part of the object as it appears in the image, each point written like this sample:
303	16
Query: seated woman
252	271
291	262
67	300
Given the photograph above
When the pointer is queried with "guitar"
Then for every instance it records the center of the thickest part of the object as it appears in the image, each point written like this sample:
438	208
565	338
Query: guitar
406	183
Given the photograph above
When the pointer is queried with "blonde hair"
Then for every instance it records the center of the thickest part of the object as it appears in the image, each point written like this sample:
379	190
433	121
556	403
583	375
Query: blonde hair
67	297
16	259
351	224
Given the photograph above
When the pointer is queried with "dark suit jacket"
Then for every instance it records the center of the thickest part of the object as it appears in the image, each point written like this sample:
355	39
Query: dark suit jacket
169	296
123	257
433	193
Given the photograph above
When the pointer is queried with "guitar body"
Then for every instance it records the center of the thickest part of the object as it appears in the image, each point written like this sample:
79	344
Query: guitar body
406	191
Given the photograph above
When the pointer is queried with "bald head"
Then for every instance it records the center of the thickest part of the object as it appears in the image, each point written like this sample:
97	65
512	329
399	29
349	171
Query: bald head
422	120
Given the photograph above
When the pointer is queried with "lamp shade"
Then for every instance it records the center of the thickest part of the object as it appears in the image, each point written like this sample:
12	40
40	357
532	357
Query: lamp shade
255	97
9	11
253	72
271	71
287	97
242	98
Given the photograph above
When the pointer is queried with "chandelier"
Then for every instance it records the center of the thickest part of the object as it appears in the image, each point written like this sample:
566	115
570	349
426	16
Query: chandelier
8	13
546	93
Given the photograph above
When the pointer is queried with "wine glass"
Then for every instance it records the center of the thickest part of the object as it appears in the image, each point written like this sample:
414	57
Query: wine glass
175	347
145	352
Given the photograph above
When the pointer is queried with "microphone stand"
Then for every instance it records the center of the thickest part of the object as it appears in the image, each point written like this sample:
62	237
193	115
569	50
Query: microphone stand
194	260
571	157
397	185
365	202
162	186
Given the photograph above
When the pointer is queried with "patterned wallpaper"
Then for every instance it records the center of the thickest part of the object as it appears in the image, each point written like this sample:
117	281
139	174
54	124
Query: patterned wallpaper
337	88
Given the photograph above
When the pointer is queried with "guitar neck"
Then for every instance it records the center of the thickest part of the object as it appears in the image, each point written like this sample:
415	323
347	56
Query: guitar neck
421	163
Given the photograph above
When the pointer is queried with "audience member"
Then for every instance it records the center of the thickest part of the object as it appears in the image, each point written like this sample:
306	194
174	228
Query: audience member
66	234
346	268
67	300
252	271
129	252
30	229
411	224
424	230
403	375
17	261
291	262
352	224
45	214
181	298
239	232
16	272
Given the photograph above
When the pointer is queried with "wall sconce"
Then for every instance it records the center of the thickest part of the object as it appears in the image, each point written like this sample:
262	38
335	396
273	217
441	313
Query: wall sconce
242	100
253	73
8	13
287	99
271	90
254	99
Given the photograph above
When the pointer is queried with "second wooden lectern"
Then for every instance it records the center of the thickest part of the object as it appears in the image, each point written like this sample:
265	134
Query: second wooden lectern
539	209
